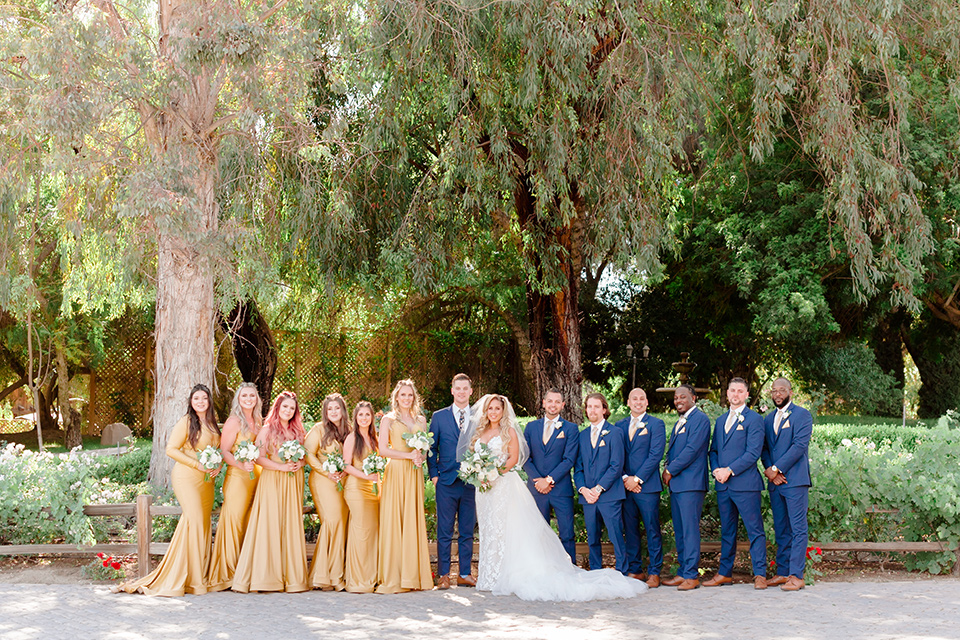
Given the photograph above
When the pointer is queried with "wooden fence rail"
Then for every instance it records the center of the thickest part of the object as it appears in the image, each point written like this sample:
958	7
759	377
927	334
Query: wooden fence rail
143	511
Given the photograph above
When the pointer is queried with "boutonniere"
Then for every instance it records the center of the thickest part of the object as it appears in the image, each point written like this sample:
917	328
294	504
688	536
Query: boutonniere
682	421
786	414
603	433
740	418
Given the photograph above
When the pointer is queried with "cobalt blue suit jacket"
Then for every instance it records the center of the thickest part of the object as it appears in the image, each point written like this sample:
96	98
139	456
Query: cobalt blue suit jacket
740	450
645	452
442	461
787	450
554	459
602	465
687	455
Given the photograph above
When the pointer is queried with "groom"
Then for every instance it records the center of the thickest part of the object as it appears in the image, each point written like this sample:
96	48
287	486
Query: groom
553	451
455	499
597	474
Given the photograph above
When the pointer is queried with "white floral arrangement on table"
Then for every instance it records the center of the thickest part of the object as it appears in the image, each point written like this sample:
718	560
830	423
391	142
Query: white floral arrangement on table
374	463
291	451
247	452
334	464
480	468
421	441
210	458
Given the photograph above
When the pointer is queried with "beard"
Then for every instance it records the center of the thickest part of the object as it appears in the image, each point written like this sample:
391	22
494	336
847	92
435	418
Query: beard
782	403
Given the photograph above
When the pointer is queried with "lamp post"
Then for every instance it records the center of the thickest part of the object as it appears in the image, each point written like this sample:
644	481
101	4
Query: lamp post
633	377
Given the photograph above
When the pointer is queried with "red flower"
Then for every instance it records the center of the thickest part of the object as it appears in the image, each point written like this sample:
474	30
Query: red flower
106	563
116	565
100	555
819	551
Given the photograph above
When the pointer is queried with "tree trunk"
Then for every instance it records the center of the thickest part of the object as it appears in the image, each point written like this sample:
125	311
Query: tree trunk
254	347
69	419
934	346
553	322
887	346
183	137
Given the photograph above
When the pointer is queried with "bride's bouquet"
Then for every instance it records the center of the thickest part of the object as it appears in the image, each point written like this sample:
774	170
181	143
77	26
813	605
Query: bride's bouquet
291	451
247	452
422	441
480	468
210	458
334	464
374	463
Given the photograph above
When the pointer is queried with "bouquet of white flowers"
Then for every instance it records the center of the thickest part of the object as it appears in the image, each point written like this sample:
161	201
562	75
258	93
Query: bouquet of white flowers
422	441
291	451
334	464
210	458
247	452
480	468
374	463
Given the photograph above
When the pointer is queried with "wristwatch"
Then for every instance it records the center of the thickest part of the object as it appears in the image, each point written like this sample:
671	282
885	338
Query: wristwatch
774	468
549	479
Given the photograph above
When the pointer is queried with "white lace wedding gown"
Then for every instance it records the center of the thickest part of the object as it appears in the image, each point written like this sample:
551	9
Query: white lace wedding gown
521	555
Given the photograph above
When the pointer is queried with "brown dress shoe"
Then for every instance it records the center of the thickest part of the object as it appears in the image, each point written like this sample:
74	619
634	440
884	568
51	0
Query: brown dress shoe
675	581
466	581
776	582
793	584
443	582
653	581
718	580
638	576
759	582
689	584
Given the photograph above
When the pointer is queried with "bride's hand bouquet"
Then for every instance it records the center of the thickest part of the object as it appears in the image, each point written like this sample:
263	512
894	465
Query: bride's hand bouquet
291	451
247	452
422	441
374	463
480	468
334	464
209	458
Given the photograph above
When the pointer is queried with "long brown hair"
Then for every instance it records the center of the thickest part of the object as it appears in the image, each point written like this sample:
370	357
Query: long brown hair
196	423
333	432
278	434
359	446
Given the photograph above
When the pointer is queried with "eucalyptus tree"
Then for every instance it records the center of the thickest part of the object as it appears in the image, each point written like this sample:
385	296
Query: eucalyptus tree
133	106
560	131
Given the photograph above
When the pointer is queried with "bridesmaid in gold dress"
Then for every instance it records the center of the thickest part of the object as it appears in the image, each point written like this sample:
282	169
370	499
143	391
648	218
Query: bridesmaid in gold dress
246	418
274	553
184	567
364	504
404	562
327	436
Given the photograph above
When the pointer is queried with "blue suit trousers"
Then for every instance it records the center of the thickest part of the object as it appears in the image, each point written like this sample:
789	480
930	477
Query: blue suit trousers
733	506
789	508
686	508
456	500
610	514
643	507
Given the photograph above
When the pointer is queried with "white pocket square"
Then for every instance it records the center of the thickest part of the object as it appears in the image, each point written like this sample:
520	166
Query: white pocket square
643	432
602	444
560	435
739	427
683	430
785	425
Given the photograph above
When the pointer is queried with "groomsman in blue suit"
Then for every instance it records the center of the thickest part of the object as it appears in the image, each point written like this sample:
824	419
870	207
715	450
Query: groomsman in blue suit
456	500
645	439
553	452
686	476
597	473
734	453
787	467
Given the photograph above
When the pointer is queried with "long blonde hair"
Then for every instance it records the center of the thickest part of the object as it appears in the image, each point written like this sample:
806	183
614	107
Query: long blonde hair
415	410
247	429
483	423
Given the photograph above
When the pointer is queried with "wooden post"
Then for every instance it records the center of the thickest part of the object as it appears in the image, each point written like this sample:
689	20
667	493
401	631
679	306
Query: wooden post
144	533
389	364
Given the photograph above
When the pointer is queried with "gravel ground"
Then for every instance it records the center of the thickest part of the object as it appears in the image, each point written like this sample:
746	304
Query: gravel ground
928	609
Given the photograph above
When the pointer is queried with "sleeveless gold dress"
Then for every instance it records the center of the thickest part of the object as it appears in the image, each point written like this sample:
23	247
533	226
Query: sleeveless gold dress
184	567
273	556
362	530
404	560
326	571
238	492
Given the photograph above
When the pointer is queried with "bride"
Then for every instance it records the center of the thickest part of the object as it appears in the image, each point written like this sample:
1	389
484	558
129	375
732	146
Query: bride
519	552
